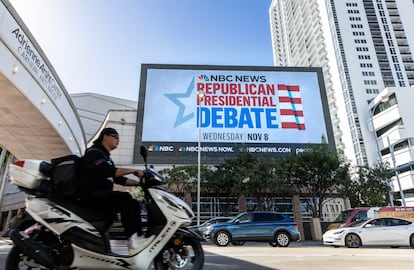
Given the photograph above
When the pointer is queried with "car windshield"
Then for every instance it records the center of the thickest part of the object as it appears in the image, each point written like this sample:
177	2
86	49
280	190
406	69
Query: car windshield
356	223
343	216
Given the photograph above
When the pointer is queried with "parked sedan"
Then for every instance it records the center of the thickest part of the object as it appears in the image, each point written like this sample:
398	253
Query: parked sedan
275	228
381	231
202	228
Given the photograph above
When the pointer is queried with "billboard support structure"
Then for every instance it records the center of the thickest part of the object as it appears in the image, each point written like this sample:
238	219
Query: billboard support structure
200	96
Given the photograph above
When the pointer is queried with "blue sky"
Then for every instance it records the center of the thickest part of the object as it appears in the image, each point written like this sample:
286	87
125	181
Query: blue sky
99	45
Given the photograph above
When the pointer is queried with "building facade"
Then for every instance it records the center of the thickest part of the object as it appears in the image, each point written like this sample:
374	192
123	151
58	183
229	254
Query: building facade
38	119
393	127
374	46
298	40
93	116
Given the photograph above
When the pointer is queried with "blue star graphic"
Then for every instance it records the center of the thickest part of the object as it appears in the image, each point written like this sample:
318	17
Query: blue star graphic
181	118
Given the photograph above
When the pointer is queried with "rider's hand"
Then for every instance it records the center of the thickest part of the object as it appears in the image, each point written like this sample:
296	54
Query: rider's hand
139	173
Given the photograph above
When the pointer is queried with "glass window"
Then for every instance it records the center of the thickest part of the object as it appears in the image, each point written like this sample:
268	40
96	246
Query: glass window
246	218
361	215
277	217
263	217
403	222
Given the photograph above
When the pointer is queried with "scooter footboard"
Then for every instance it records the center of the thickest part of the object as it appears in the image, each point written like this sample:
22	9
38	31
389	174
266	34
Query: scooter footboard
87	259
86	240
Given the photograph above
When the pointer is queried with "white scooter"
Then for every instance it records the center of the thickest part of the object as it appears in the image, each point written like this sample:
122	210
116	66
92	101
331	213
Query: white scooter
53	235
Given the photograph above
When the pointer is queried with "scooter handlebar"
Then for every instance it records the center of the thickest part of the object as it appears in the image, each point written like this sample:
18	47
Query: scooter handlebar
152	178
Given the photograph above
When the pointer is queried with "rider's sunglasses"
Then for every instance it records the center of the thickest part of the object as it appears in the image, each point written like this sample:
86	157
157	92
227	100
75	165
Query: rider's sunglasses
116	136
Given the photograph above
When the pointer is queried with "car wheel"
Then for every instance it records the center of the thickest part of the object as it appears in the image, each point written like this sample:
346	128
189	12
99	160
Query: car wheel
238	243
412	241
282	239
222	238
273	244
352	241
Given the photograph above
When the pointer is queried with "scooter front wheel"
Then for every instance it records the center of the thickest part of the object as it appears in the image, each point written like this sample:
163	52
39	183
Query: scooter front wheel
189	255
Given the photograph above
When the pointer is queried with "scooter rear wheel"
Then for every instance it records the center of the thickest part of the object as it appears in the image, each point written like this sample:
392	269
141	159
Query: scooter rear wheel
189	256
16	261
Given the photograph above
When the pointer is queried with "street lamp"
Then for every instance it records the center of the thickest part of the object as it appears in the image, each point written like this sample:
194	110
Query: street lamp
200	96
397	172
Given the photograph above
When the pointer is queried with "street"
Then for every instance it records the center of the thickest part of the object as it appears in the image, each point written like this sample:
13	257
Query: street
306	255
298	256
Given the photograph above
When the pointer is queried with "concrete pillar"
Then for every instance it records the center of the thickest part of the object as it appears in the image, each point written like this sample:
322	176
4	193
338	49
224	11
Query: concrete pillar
8	220
187	198
242	204
297	215
2	226
347	203
4	166
316	229
2	180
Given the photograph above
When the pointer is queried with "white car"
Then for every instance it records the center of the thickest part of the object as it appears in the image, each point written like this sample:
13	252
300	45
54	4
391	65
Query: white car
381	231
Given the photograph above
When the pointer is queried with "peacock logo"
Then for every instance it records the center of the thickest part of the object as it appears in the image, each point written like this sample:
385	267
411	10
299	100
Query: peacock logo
203	78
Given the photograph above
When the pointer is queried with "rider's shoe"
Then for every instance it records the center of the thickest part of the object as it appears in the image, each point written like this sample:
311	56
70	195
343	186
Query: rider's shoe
138	243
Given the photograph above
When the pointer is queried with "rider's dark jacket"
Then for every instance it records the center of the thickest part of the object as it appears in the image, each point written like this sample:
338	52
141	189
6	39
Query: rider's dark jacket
99	171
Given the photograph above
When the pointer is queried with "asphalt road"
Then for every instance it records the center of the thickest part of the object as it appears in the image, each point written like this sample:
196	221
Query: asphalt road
307	255
298	256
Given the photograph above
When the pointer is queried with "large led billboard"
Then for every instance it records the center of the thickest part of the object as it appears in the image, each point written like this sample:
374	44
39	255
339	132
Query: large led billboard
227	110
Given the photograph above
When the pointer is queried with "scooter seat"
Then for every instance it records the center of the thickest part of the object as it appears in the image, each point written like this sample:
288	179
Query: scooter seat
101	219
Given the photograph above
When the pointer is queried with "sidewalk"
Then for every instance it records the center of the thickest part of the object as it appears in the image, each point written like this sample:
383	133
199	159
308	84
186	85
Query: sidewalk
302	243
308	243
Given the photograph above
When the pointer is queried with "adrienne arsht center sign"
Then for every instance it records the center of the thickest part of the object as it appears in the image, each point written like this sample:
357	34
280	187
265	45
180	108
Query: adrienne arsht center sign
229	109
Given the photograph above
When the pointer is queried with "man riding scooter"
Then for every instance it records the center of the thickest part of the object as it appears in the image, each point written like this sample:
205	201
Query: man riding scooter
100	174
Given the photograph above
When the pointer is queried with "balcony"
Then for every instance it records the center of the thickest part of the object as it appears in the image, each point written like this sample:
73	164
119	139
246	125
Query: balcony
394	134
406	180
386	117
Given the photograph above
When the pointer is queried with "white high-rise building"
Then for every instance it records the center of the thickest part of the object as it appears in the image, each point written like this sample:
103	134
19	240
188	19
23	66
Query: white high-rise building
298	40
373	42
374	46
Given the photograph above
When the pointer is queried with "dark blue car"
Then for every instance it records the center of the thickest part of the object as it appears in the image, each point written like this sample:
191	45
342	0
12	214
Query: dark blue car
275	228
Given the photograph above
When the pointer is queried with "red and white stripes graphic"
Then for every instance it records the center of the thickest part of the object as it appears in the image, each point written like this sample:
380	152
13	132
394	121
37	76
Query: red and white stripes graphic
290	105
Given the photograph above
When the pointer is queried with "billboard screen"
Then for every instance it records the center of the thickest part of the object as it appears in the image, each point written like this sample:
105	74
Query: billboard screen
227	110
